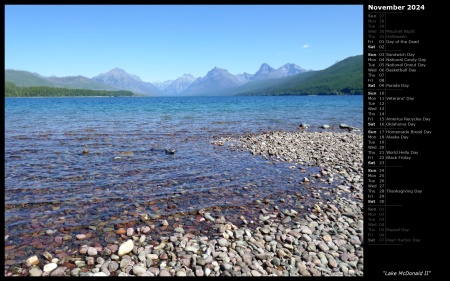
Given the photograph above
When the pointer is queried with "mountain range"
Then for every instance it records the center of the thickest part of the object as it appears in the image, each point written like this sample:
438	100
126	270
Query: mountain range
344	77
119	79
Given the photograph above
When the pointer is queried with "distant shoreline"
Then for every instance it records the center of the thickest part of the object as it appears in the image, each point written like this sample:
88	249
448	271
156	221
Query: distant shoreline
78	97
182	96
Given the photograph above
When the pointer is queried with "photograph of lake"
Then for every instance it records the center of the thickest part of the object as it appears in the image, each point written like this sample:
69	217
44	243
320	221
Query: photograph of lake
250	163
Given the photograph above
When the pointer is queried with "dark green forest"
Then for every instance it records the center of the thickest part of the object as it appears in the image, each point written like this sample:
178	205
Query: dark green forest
11	90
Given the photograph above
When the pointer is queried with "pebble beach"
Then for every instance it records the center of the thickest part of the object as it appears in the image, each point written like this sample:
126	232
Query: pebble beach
315	231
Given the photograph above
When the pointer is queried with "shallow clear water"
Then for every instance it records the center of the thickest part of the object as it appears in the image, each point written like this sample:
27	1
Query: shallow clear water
51	184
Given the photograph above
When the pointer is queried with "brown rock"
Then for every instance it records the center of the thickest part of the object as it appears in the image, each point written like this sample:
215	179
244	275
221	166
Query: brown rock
33	260
8	248
47	256
68	265
58	239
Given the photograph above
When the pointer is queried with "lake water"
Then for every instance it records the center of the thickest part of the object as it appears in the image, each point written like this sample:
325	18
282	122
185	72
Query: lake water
51	184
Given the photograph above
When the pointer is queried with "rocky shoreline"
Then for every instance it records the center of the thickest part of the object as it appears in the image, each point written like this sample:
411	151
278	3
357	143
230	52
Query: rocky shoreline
324	239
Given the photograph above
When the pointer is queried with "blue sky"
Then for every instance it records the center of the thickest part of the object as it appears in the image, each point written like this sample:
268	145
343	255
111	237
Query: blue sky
162	42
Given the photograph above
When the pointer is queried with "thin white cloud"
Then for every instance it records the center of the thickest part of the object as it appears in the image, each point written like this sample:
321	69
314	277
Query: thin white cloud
305	46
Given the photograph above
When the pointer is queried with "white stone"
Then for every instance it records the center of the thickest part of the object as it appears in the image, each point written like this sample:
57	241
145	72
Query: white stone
49	267
207	271
92	251
181	273
223	242
84	249
126	247
138	270
191	249
130	231
146	229
152	256
37	272
81	236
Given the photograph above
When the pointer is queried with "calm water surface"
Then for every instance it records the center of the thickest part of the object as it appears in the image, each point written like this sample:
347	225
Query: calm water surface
51	184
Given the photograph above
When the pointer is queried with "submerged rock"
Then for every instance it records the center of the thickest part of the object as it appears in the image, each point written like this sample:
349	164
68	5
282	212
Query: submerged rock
304	126
170	151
